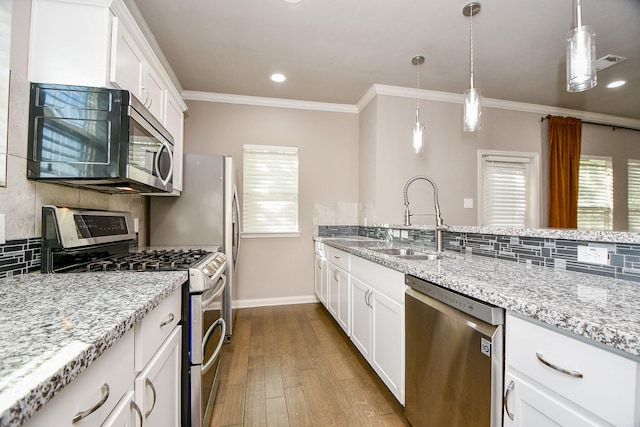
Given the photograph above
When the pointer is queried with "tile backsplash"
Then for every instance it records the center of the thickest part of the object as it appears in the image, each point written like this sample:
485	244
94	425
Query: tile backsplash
19	257
624	258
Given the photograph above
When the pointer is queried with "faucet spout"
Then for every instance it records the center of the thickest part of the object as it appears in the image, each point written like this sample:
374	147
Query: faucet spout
408	214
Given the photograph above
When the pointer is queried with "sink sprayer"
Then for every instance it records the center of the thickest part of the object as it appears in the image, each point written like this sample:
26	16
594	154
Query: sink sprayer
407	213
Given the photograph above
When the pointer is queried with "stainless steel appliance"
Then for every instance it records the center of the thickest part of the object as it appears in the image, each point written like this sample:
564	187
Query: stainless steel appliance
205	214
97	138
454	358
81	240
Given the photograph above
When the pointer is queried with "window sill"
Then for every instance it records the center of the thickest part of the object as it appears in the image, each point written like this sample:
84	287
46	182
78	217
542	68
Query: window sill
270	235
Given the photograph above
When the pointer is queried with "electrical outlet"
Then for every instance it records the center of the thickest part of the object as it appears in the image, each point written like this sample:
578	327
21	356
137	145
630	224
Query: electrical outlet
136	225
468	203
404	234
593	255
3	238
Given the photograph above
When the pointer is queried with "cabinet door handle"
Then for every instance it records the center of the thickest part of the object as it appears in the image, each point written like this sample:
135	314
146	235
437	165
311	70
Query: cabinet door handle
136	408
336	257
148	382
574	374
335	275
83	414
506	400
320	265
367	298
169	320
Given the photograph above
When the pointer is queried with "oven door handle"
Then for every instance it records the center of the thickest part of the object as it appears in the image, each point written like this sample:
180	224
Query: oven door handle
222	282
220	322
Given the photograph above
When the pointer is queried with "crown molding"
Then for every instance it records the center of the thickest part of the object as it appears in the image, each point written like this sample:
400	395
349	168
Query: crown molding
455	98
268	102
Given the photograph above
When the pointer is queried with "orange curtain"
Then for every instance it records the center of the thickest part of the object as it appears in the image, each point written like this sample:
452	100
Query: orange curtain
564	163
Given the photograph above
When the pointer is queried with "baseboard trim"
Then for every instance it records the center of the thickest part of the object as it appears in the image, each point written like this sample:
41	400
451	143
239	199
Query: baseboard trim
265	302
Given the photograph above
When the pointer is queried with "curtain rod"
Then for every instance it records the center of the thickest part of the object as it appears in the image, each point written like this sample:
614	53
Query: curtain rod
614	127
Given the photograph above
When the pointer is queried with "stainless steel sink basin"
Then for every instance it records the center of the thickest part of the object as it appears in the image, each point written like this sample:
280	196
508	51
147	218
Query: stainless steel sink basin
420	257
396	251
405	253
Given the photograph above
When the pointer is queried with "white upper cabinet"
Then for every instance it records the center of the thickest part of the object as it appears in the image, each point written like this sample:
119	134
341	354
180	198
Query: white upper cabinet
98	43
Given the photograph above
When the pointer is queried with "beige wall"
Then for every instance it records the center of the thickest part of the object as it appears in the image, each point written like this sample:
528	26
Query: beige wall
449	156
21	200
328	172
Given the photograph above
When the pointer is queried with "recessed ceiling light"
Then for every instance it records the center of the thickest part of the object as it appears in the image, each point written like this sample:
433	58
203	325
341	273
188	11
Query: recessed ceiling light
617	83
278	78
292	1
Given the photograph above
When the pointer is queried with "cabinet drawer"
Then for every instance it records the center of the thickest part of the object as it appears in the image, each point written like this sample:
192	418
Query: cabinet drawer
607	387
337	257
383	279
156	326
114	368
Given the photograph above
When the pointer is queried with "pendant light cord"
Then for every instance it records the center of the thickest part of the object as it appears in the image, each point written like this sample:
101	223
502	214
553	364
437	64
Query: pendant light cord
471	44
418	91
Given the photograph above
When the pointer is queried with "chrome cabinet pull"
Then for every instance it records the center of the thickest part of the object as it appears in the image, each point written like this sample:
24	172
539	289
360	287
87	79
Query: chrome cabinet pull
83	414
169	320
148	382
135	407
335	275
506	400
367	298
574	374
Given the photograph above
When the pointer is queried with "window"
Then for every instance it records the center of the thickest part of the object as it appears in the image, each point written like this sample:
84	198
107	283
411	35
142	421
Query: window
270	190
509	189
595	193
633	196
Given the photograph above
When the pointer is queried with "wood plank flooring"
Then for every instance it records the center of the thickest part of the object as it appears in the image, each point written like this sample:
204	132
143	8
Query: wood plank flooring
293	366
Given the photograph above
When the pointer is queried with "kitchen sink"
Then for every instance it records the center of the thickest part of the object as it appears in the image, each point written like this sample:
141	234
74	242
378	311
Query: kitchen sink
405	253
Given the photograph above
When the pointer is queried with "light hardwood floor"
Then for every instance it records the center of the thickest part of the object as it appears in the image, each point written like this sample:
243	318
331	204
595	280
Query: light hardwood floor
293	366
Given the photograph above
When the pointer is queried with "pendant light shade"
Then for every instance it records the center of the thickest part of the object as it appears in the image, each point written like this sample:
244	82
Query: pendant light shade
418	127
472	113
472	120
581	56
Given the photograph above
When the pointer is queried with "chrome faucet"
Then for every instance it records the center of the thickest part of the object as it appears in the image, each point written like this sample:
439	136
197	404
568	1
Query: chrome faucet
407	213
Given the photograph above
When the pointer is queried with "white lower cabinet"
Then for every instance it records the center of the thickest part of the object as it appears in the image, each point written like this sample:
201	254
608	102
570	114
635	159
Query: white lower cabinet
338	296
157	387
89	398
377	320
554	379
320	279
127	413
108	393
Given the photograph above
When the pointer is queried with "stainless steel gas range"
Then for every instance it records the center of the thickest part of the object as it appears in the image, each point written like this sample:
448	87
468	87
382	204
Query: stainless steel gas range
82	240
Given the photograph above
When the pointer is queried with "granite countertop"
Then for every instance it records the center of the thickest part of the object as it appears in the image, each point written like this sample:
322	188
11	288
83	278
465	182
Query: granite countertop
53	326
597	308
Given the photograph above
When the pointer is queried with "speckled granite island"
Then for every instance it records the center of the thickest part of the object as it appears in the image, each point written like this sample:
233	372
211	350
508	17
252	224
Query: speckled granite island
53	326
600	309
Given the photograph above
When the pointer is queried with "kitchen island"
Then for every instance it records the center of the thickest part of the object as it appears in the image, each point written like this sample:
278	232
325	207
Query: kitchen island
52	327
599	309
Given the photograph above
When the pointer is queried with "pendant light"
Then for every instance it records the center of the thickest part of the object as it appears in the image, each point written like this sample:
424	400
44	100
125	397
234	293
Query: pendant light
472	99
419	127
581	56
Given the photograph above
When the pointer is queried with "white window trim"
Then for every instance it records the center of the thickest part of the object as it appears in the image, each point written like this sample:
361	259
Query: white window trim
610	160
533	214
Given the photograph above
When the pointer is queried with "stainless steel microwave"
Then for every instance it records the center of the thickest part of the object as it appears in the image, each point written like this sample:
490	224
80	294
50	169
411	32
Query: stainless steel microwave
97	138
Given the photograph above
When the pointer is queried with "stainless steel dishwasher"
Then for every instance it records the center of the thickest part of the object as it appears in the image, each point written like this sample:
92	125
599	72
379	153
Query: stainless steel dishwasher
454	358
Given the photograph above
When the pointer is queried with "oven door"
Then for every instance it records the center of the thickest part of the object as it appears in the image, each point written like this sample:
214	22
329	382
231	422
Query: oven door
206	344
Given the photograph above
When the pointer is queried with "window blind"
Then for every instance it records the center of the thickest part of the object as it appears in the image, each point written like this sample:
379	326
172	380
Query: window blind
270	189
505	191
595	194
633	196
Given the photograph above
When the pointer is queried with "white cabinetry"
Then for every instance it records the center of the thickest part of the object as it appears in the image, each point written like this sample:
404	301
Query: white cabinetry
99	43
320	274
94	393
377	322
158	385
110	384
555	379
338	296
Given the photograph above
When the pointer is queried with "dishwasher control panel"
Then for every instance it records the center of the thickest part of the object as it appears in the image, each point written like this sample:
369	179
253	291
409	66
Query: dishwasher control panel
480	310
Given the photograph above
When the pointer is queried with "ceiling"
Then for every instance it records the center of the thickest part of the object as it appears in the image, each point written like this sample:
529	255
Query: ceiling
335	50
